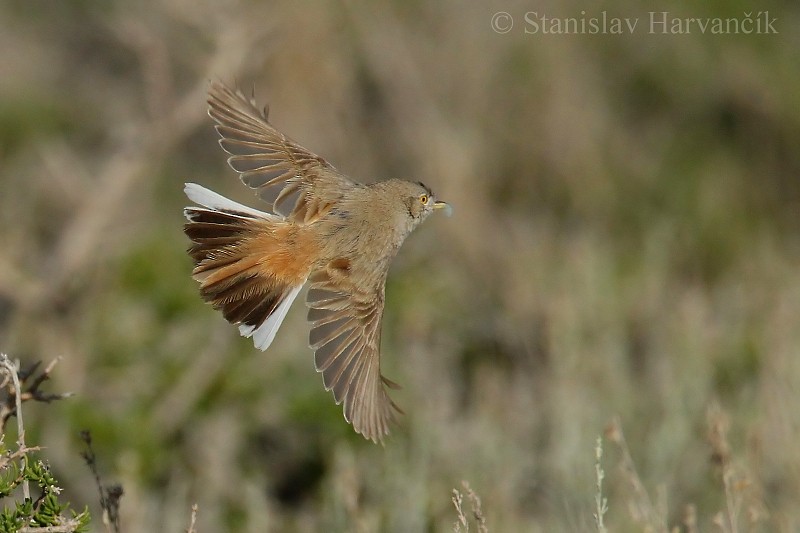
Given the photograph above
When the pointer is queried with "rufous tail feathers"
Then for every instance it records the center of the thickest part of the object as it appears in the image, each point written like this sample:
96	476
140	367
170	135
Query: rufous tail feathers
246	261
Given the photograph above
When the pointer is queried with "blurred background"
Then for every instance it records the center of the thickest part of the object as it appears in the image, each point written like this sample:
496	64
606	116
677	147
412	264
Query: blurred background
624	244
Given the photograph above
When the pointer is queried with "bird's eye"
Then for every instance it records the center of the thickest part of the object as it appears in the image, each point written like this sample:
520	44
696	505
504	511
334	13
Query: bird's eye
424	199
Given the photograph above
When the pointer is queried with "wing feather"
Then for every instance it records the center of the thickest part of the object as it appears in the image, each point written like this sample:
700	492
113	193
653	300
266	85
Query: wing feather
299	184
345	336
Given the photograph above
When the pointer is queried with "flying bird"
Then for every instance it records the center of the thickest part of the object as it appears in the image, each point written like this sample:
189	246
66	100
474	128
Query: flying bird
322	229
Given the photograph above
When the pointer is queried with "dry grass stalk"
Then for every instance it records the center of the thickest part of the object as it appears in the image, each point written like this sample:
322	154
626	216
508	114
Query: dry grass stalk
641	505
193	520
739	488
690	518
461	525
601	503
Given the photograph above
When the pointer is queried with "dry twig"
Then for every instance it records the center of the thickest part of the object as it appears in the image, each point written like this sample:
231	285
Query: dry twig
32	381
69	526
109	495
11	371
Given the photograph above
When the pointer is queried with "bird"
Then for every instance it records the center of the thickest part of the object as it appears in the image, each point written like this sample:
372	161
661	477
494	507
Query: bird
324	230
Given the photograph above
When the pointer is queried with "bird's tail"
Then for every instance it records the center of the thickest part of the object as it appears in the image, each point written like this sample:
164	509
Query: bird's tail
243	262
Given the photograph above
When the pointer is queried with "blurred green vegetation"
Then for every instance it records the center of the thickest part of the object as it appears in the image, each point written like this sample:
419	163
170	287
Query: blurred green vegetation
624	243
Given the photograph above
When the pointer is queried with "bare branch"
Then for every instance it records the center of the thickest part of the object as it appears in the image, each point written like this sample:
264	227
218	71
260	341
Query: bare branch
69	526
11	370
10	406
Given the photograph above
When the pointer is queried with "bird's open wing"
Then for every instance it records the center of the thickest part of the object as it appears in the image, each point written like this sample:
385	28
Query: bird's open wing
345	336
299	184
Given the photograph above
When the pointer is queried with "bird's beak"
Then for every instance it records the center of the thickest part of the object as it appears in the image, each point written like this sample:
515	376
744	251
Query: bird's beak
438	204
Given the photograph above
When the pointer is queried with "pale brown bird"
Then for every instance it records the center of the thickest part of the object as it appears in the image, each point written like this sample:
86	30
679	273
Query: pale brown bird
324	228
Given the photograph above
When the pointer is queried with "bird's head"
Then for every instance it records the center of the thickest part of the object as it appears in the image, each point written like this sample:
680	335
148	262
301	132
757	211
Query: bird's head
419	200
